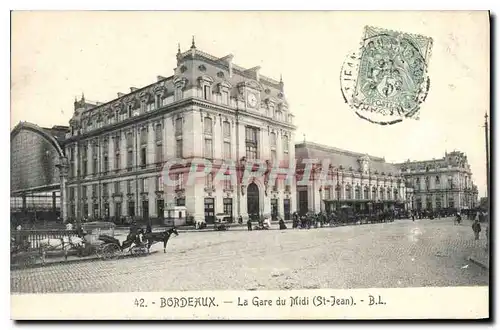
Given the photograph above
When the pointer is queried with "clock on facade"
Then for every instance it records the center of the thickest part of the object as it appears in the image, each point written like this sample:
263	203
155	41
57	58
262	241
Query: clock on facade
252	100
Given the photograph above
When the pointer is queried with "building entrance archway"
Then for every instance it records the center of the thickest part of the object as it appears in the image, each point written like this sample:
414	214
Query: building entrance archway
253	205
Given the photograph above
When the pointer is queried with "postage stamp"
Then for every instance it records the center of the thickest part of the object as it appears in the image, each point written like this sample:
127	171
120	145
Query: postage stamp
386	80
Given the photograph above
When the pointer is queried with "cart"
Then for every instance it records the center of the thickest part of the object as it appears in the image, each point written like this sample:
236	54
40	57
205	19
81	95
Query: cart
221	221
94	231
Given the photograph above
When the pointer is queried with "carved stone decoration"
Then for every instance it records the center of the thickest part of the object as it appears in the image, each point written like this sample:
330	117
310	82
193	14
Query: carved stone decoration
267	91
266	185
202	68
159	89
183	69
280	95
180	82
220	74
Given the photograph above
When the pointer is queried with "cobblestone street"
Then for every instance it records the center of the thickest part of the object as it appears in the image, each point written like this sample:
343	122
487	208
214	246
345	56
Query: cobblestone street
398	254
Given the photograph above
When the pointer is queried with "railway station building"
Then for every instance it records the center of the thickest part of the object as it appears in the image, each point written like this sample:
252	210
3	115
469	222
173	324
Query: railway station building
210	109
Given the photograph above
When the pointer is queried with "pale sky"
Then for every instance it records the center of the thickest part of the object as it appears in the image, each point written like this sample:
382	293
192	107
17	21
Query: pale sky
58	55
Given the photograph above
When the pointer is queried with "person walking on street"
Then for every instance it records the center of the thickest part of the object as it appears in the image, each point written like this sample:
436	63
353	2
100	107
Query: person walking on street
476	228
249	224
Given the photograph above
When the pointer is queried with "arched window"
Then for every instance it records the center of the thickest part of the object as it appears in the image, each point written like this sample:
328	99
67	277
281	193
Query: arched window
396	194
388	193
374	193
365	192
382	195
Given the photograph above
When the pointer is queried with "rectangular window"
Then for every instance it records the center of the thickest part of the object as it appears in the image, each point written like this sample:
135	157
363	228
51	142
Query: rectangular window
105	189
106	163
178	126
251	142
143	157
178	148
227	150
251	152
273	139
116	141
226	128
117	161
117	187
180	181
208	148
159	154
129	110
84	191
94	190
285	144
159	183
95	166
129	186
207	126
225	97
209	180
130	160
227	182
130	140
206	92
158	101
144	136
84	167
327	194
144	185
158	133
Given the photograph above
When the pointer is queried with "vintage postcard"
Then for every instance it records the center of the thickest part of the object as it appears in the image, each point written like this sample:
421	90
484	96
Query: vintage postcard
292	165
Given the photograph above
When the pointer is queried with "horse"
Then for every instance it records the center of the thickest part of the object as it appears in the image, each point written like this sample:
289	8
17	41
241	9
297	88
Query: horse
64	243
164	236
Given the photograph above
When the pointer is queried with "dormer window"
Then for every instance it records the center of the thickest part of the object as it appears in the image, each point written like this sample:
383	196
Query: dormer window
225	97
129	110
158	101
206	92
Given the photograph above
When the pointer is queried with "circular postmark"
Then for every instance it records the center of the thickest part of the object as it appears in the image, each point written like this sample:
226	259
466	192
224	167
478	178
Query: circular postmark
386	81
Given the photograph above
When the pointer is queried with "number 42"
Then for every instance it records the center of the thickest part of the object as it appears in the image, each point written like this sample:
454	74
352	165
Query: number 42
139	302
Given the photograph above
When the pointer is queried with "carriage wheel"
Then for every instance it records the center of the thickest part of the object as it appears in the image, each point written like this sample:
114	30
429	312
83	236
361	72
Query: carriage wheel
110	251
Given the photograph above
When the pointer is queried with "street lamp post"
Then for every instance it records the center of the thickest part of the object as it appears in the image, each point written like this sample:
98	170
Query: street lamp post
487	181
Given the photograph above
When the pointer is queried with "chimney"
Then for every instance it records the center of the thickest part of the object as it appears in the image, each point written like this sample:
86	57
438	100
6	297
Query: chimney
120	94
133	89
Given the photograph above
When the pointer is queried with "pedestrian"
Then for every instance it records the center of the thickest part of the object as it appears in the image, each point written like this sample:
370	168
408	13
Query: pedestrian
476	228
249	224
69	226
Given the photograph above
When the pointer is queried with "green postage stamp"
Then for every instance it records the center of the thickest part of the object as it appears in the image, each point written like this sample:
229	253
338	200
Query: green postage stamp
386	80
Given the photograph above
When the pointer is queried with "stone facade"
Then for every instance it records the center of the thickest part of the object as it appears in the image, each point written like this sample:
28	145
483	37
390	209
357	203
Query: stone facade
210	109
341	177
444	183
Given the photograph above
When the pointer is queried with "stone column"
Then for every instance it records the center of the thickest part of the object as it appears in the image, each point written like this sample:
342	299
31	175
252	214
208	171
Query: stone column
63	174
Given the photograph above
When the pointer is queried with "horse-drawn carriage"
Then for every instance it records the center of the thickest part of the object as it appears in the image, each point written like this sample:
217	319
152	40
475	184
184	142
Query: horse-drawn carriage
94	238
100	238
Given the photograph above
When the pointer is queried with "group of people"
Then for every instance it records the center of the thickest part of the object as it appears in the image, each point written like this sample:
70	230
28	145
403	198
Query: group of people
265	223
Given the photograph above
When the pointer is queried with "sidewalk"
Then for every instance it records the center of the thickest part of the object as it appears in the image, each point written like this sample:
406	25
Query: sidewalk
480	255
